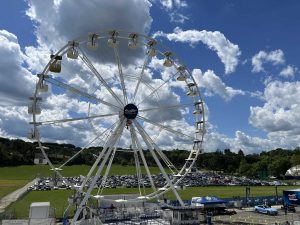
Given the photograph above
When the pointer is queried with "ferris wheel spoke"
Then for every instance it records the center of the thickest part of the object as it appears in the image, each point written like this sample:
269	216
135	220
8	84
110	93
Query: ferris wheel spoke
85	147
156	90
78	92
146	137
146	84
89	64
133	77
121	76
140	78
48	122
165	107
178	133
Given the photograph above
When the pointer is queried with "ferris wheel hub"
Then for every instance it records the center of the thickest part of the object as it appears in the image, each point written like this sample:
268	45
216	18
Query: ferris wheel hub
130	111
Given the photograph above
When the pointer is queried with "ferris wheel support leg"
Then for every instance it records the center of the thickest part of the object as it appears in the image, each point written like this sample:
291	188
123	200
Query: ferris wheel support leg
104	150
145	137
108	169
113	140
137	165
139	147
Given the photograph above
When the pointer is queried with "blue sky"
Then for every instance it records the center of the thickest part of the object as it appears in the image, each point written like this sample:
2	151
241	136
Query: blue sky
243	55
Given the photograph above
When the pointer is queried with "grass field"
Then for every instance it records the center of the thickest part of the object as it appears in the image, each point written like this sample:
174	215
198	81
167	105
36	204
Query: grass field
58	198
12	178
8	186
32	171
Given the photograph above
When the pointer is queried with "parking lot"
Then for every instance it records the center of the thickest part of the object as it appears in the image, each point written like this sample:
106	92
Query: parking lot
195	179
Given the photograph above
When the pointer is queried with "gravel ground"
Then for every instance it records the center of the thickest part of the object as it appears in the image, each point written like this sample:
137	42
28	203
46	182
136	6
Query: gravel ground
248	216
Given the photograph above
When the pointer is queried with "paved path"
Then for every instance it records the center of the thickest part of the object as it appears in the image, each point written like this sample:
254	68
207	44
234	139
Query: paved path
14	196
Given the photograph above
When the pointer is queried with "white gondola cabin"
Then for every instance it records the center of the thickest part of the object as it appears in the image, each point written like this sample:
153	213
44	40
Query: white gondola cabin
92	43
42	87
34	108
198	134
151	51
132	43
197	144
192	89
32	135
55	65
182	73
198	108
112	41
168	62
199	125
72	51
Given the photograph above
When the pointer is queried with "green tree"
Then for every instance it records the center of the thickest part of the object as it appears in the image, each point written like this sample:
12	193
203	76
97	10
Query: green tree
279	166
295	159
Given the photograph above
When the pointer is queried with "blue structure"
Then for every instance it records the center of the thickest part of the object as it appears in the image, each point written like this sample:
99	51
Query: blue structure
209	201
291	197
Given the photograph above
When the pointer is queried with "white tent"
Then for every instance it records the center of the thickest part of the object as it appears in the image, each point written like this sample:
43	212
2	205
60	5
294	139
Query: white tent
294	171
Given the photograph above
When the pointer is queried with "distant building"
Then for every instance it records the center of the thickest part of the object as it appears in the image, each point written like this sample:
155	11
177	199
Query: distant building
39	159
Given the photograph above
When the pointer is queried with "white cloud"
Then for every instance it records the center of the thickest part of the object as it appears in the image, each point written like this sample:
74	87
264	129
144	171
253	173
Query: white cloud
171	4
14	121
61	21
215	140
228	52
178	17
64	20
213	85
16	82
279	116
241	140
174	9
288	71
275	57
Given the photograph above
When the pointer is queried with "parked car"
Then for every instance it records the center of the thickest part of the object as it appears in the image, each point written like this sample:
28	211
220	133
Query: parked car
266	210
289	208
223	212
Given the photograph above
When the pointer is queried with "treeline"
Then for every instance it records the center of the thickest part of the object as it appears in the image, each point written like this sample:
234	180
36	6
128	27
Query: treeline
272	163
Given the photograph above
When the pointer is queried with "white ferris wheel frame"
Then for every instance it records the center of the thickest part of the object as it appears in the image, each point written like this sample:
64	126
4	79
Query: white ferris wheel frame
152	47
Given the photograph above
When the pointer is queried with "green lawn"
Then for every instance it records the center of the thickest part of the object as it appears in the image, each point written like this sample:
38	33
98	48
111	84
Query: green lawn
32	171
58	198
12	178
8	186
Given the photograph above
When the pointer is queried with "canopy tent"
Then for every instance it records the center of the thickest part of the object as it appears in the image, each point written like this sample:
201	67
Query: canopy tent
208	201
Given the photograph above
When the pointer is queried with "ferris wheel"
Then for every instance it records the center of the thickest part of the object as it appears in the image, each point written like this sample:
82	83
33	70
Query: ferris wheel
122	91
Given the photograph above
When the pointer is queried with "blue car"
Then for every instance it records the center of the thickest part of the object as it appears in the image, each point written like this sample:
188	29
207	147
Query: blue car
266	210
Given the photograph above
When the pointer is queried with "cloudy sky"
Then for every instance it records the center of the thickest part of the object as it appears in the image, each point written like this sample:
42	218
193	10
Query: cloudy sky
243	55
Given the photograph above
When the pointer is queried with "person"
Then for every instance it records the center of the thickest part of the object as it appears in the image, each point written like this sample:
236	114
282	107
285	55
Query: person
285	209
209	217
287	223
